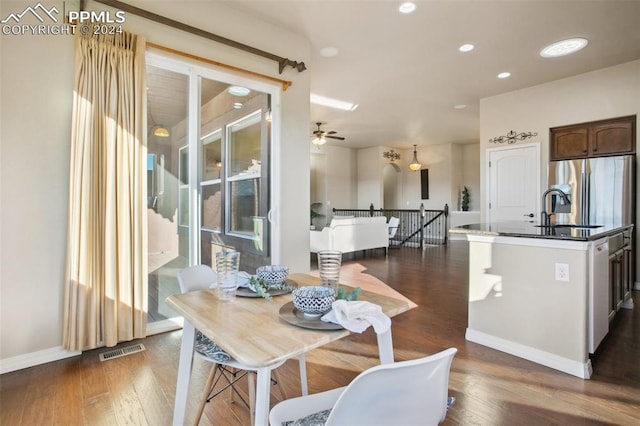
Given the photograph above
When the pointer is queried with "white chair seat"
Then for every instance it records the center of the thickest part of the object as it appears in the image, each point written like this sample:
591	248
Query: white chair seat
235	364
297	408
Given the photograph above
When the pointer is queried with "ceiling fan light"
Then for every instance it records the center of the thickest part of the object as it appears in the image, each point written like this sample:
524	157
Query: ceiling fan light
161	132
415	165
318	141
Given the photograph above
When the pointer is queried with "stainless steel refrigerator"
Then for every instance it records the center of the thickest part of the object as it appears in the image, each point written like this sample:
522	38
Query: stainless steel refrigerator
601	190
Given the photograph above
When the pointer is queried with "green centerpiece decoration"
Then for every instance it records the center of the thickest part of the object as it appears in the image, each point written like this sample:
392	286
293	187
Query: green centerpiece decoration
262	289
348	296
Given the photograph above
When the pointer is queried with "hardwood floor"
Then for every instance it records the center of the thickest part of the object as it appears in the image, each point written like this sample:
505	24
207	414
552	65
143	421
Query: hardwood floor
491	388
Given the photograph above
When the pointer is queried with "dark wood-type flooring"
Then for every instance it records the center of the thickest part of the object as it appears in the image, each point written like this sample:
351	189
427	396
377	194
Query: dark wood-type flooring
492	388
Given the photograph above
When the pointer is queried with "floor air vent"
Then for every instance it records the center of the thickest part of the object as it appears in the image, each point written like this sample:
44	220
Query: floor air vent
117	353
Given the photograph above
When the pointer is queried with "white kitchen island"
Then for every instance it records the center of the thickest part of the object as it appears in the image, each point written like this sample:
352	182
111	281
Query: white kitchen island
538	293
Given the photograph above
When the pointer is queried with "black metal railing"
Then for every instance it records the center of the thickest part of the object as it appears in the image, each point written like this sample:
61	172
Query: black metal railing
416	227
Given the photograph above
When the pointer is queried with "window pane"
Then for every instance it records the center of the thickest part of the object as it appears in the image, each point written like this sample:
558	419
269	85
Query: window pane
211	206
244	205
212	157
183	206
244	146
184	166
183	186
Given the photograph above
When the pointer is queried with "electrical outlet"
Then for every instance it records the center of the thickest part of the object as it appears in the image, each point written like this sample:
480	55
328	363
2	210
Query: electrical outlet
562	272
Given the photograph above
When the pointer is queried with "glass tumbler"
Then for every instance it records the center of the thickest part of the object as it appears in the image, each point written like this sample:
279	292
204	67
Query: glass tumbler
227	266
329	262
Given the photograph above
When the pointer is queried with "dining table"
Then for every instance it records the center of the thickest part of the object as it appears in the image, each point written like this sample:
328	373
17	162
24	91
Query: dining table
253	331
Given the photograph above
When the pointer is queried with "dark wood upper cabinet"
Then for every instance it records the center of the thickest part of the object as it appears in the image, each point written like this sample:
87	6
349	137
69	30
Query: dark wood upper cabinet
595	139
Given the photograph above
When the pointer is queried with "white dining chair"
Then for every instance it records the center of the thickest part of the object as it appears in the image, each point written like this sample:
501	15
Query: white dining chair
393	225
404	393
201	277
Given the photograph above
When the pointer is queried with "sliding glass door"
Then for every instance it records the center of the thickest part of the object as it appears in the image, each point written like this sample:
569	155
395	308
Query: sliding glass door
167	188
209	174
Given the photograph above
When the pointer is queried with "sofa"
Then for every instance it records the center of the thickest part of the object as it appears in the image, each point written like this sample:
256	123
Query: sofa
349	234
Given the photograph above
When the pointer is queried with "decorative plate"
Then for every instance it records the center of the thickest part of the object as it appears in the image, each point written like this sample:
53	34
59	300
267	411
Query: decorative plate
291	315
247	292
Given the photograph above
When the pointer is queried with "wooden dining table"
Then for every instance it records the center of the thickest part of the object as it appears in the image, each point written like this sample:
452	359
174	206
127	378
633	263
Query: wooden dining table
252	332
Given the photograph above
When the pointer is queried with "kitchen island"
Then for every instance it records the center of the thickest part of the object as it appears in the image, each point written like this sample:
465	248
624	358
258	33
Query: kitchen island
540	293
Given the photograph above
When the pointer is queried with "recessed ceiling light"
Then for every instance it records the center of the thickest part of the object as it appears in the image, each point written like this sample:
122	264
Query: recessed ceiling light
407	7
332	103
563	47
460	106
329	51
238	91
466	48
504	75
237	105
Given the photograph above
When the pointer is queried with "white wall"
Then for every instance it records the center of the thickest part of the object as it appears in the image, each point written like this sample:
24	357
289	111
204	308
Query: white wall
451	166
333	183
37	81
471	174
391	186
606	93
370	177
37	85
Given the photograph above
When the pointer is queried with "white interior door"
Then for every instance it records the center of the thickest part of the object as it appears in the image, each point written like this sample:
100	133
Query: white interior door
514	183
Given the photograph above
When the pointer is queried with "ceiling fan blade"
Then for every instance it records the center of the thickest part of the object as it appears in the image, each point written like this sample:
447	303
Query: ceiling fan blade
331	132
335	137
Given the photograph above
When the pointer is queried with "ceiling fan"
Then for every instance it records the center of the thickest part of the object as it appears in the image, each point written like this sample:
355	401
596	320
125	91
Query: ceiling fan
321	136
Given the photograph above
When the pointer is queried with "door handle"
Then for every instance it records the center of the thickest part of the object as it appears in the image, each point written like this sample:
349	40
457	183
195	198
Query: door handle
530	215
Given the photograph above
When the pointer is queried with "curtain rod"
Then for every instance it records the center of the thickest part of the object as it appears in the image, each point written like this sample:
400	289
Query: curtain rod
282	62
285	84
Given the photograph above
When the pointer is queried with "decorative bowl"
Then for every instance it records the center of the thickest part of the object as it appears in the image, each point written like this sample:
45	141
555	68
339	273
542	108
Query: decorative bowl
313	301
272	275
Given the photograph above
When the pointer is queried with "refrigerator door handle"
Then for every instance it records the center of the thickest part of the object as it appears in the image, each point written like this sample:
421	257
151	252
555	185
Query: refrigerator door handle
585	198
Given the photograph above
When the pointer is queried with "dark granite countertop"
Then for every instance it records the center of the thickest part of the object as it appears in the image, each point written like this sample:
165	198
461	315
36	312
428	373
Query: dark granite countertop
530	230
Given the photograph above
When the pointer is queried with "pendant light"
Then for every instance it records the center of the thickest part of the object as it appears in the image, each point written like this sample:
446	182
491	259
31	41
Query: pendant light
162	132
158	130
415	164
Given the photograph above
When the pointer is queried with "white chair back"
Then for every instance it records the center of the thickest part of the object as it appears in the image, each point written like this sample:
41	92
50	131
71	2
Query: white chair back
198	277
394	222
404	393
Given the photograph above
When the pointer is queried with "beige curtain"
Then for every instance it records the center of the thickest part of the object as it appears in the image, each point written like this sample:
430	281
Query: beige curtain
106	275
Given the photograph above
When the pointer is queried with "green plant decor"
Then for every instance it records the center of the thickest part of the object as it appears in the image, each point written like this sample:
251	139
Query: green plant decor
262	289
348	296
465	199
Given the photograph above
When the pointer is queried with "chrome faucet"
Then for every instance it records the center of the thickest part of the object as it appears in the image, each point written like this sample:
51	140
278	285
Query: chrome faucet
545	218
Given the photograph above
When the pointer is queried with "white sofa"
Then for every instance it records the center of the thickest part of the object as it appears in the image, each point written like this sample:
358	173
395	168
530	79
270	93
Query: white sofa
352	234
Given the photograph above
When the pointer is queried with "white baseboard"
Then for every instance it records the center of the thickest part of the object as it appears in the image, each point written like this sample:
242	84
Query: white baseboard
569	366
636	285
164	326
55	354
35	358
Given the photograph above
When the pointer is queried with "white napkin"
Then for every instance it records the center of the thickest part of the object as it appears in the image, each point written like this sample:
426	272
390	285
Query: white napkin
357	316
243	279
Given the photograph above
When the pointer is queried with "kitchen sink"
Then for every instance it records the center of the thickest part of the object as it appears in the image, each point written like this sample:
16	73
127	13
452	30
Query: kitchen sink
567	225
